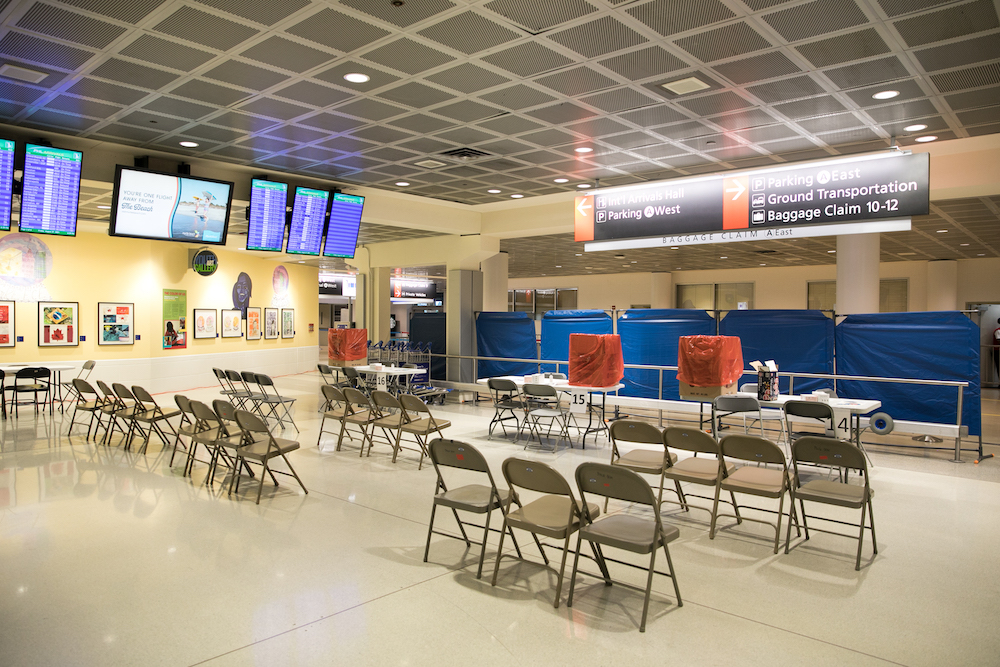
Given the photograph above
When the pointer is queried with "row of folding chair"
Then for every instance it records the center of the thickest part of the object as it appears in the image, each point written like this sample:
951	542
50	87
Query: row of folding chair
255	392
534	406
359	414
133	412
763	472
555	513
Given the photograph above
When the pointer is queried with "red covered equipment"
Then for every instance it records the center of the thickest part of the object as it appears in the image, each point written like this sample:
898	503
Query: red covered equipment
348	344
709	361
595	360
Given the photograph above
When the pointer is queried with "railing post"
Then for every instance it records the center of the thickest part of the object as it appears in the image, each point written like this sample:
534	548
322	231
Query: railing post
660	392
958	436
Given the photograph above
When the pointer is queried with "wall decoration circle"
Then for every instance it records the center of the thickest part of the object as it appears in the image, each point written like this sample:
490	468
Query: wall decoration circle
205	262
25	261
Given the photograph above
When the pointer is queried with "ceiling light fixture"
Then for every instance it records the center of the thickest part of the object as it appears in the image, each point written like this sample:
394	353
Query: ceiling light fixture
516	196
673	247
579	254
619	256
724	257
961	244
924	140
941	231
561	180
831	251
885	95
357	77
402	184
915	128
584	149
763	264
494	191
106	206
981	254
584	186
189	144
558	266
691	84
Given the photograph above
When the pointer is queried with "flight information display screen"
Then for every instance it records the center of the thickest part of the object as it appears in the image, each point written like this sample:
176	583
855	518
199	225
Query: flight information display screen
6	182
345	222
308	217
268	200
50	194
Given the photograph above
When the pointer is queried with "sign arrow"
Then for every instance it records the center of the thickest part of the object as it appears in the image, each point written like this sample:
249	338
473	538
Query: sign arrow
739	189
581	209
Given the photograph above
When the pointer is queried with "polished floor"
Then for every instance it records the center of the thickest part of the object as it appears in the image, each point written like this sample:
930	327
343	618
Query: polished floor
108	557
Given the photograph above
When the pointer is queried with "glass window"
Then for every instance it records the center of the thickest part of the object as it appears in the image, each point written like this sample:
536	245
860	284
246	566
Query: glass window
566	299
524	300
821	295
701	297
734	296
893	295
510	300
545	300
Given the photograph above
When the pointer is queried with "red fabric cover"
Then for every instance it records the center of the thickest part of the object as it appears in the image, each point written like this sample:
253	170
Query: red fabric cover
348	344
709	361
595	360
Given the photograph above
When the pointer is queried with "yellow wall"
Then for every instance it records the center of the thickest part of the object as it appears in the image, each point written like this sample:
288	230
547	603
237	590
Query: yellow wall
90	268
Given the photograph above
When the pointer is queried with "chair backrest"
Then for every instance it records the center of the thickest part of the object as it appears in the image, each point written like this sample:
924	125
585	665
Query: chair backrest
106	390
502	385
41	373
83	388
251	423
263	380
219	374
829	452
248	377
385	401
122	392
414	404
332	394
455	454
631	430
736	404
324	369
88	366
355	397
350	373
27	373
535	476
142	395
615	482
812	409
204	414
751	448
749	387
540	390
183	403
234	376
691	440
224	410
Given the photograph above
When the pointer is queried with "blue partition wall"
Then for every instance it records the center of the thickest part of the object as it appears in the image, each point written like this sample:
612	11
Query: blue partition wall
557	325
649	336
927	346
798	340
505	335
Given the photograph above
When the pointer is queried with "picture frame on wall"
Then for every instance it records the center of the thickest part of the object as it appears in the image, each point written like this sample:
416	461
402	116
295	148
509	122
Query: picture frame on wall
115	323
205	322
288	323
270	323
232	323
253	323
7	336
58	323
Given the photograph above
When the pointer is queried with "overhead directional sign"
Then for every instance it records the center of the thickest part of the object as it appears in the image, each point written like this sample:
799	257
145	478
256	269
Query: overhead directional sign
760	204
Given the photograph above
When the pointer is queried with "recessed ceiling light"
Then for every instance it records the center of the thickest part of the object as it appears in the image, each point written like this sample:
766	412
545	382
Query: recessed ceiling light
494	191
982	254
673	247
302	261
831	251
516	196
691	84
625	266
941	231
189	144
619	256
915	128
106	206
635	261
579	254
583	186
907	253
724	257
558	266
763	264
561	180
924	140
885	95
402	184
584	149
357	77
961	244
677	268
588	267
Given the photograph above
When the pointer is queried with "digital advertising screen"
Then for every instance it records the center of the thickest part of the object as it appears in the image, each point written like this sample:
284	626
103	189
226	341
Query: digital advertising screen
345	222
168	207
6	182
50	193
308	217
268	200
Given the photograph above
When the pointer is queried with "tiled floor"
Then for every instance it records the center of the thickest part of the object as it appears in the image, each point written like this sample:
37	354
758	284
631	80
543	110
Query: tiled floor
112	558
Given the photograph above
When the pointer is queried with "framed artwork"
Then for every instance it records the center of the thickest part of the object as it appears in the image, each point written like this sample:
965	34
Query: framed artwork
7	324
58	323
232	323
253	323
270	323
204	322
288	323
115	323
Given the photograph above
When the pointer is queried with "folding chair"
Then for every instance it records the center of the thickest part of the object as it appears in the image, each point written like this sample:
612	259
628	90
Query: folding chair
639	459
227	388
87	400
248	379
334	407
231	439
506	399
821	412
419	427
110	408
388	418
635	534
844	456
151	414
273	400
360	414
694	470
127	408
543	404
187	427
259	445
472	498
241	393
32	381
84	374
214	433
766	414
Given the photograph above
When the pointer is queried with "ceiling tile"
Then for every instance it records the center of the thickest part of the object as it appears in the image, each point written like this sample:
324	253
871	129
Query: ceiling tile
164	52
868	72
467	111
266	12
510	124
416	95
844	48
128	133
743	119
757	68
220	134
176	107
958	21
598	127
540	16
815	106
106	91
834	122
242	121
407	56
69	26
78	105
296	134
421	123
527	59
469	33
308	92
651	116
598	37
903	111
403	15
504	147
370	109
349	145
907	90
331	122
210	93
382	135
731	40
467	78
426	145
129	12
718	103
550	137
787	89
518	96
466	135
133	74
561	113
644	63
956	54
391	154
618	100
669	17
206	29
38	50
154	121
248	76
577	81
286	54
337	30
62	120
815	18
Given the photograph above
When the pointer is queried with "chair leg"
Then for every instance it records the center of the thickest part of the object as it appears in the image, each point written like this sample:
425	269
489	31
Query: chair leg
715	510
295	474
871	517
649	587
805	522
777	529
736	508
260	487
861	539
673	575
482	553
496	565
321	423
562	572
576	563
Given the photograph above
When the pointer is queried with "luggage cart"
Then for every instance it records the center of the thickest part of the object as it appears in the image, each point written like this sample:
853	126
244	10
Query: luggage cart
420	356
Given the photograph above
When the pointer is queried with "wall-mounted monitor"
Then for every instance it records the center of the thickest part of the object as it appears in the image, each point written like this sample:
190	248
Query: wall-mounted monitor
305	235
268	200
345	222
6	182
168	207
50	190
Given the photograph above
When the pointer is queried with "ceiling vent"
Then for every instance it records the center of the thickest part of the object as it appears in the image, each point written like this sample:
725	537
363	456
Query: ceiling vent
22	73
430	164
691	84
464	155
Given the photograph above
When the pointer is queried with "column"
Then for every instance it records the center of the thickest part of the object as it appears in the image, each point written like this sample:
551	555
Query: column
857	273
942	285
495	283
378	303
463	300
662	295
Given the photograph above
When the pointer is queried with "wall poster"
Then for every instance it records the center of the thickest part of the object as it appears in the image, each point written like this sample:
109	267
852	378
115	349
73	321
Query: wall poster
253	323
174	319
58	323
7	324
115	323
232	323
288	323
204	322
270	323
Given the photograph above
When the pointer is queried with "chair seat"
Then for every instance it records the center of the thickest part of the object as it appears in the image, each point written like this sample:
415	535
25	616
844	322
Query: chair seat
643	460
363	417
426	426
30	387
472	498
389	421
336	413
765	482
544	413
89	406
258	449
273	399
548	516
510	405
207	437
631	533
698	470
833	493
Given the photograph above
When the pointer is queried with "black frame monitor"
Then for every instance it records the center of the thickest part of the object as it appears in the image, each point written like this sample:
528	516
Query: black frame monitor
268	201
159	206
6	182
305	234
50	190
345	223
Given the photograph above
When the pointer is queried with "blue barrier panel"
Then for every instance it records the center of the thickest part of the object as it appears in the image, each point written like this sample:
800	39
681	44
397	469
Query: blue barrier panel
430	328
505	335
557	325
798	340
649	336
925	346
